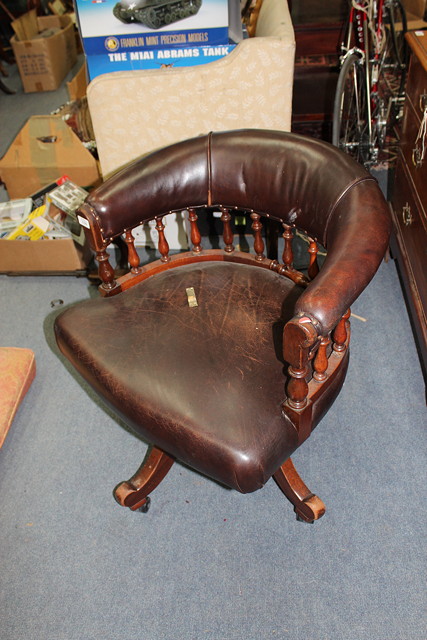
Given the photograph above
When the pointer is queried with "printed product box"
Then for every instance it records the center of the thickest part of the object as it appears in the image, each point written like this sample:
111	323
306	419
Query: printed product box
43	62
156	59
45	148
147	34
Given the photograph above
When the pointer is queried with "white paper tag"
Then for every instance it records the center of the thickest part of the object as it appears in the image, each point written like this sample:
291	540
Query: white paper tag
83	222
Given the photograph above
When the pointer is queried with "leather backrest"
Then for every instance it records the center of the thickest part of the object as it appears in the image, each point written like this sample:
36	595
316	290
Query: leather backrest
287	176
301	181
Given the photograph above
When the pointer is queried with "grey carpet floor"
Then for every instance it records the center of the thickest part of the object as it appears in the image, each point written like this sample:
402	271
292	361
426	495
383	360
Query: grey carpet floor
206	562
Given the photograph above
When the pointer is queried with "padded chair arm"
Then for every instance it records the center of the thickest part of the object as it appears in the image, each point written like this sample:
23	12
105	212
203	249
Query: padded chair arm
357	238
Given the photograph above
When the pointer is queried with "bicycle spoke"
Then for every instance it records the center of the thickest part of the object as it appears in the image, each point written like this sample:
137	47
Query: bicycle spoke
350	126
370	88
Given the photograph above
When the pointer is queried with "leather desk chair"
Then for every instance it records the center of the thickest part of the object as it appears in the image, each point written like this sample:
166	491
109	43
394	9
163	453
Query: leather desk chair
221	359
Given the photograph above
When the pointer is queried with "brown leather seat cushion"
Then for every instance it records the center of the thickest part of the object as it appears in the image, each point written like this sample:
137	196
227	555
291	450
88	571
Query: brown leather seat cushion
204	383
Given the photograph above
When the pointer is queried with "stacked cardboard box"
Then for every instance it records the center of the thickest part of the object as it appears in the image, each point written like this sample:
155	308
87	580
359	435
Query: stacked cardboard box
44	49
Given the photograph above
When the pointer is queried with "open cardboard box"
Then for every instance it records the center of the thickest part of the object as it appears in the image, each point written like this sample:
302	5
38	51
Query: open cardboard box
77	86
47	255
62	255
43	62
45	148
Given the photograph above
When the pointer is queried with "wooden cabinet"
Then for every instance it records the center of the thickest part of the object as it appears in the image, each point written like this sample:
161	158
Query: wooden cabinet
318	28
409	244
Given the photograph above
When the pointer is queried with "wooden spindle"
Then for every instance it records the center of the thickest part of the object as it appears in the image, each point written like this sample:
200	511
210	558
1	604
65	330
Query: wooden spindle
299	338
258	241
313	250
106	271
163	243
195	235
133	256
339	335
320	363
227	232
297	388
288	254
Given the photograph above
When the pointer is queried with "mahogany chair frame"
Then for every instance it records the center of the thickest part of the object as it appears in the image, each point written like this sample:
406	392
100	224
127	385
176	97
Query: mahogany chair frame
343	209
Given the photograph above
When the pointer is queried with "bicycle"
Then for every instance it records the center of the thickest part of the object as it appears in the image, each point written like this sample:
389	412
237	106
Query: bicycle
371	84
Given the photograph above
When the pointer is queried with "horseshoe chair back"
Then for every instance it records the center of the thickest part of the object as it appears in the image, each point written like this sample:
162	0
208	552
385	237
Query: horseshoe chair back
222	359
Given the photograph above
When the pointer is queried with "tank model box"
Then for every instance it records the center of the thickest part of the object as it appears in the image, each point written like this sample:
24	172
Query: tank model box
156	59
147	34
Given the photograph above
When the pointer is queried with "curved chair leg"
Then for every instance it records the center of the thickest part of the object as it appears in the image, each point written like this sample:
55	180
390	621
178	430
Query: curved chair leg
133	493
308	506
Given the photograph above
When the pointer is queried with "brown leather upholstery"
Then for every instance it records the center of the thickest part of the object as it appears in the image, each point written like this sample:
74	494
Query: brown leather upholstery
206	384
207	381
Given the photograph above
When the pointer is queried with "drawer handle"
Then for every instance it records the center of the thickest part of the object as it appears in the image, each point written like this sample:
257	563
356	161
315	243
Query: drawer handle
407	215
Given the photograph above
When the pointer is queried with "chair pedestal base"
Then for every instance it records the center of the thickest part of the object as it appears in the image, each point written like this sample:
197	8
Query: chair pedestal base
307	505
133	493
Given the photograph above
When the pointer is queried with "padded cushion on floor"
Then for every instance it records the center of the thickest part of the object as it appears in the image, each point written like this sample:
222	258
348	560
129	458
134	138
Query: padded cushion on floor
17	371
206	383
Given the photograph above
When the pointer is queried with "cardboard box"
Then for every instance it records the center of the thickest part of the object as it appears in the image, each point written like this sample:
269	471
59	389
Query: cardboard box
415	11
45	148
155	59
206	23
77	86
113	44
43	256
43	63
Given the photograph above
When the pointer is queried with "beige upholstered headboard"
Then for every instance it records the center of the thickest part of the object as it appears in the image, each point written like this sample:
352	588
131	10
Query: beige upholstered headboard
135	112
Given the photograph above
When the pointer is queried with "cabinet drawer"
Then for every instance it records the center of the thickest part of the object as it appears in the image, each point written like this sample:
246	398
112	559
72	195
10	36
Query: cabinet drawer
410	226
416	86
409	132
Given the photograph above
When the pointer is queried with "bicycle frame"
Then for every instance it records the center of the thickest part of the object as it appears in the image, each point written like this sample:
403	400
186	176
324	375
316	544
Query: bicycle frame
358	25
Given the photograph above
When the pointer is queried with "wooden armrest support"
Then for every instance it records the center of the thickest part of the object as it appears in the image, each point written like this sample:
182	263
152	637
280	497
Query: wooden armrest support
299	337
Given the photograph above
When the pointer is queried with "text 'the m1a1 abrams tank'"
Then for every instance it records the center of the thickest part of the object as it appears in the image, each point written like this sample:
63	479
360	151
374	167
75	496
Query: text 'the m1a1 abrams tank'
155	13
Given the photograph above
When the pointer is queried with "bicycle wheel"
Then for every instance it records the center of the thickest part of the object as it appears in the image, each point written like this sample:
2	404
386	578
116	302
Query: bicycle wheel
350	127
394	57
